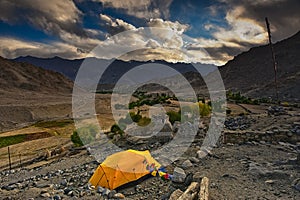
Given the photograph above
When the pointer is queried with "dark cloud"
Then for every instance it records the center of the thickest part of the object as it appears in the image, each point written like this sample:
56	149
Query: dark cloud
12	48
284	15
223	53
145	9
53	17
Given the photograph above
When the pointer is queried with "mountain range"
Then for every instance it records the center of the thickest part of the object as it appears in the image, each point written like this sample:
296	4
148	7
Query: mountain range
250	72
24	77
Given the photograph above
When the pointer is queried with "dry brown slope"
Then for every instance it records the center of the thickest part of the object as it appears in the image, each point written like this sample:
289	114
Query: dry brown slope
29	93
22	77
252	72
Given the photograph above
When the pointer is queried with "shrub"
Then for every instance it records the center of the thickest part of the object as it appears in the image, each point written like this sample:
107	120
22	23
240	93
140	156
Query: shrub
84	135
76	139
135	117
174	116
116	129
144	121
10	140
50	124
228	111
205	109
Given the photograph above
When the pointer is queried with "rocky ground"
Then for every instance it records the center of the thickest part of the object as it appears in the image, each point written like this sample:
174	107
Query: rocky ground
249	170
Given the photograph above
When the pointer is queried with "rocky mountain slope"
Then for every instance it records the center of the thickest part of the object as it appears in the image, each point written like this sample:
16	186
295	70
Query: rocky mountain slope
252	72
22	77
29	93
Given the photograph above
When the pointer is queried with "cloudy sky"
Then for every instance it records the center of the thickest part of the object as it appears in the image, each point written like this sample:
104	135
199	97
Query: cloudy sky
72	28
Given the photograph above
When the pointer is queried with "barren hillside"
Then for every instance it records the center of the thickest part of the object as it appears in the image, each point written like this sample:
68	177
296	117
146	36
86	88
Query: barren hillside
252	72
29	93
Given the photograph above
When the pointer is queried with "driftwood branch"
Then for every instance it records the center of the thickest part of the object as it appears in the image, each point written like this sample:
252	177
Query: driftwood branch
203	194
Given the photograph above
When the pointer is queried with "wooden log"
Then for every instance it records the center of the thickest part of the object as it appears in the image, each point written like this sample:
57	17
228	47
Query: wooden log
191	192
204	194
176	194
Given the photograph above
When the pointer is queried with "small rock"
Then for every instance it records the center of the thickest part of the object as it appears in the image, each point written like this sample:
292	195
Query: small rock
194	160
56	197
178	175
67	191
46	195
256	169
228	176
201	154
64	182
41	184
119	196
105	192
289	134
270	182
187	164
197	177
100	189
296	184
71	193
111	194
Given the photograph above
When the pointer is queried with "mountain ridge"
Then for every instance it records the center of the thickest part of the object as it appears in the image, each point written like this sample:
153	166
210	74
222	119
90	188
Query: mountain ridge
27	77
252	72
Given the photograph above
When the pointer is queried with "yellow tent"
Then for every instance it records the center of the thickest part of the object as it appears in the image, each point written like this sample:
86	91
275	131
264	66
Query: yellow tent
123	167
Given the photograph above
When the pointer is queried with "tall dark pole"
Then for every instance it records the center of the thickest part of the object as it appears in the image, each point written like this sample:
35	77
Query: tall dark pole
20	160
273	58
9	158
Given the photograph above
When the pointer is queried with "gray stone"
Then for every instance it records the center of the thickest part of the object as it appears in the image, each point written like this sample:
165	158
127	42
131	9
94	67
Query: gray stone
296	184
187	164
105	192
178	175
119	196
256	169
111	194
45	195
71	193
9	187
64	182
67	190
194	160
270	182
197	177
203	152
100	189
56	197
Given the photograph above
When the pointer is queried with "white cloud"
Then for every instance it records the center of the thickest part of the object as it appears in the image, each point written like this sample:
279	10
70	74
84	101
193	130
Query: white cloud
241	29
174	26
241	34
12	48
163	40
115	26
